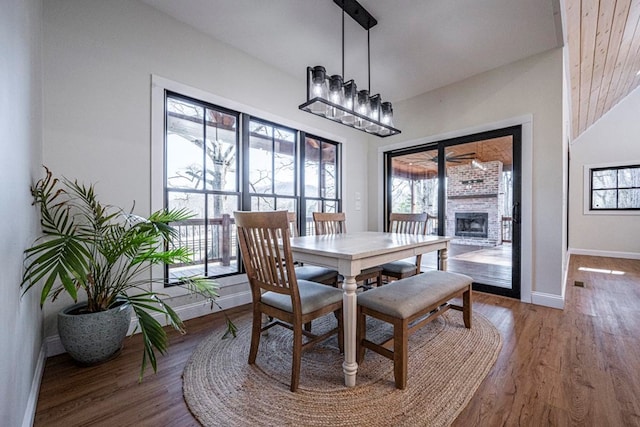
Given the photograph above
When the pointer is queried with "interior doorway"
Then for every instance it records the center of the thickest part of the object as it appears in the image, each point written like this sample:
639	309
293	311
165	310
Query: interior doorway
470	187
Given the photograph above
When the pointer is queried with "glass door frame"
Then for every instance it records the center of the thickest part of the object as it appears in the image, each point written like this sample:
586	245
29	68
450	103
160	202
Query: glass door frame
516	133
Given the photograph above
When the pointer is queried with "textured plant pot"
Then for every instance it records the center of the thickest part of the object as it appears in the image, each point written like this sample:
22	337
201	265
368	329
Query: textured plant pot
92	338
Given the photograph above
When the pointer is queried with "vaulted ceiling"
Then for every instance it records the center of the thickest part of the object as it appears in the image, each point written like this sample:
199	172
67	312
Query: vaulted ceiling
421	45
604	56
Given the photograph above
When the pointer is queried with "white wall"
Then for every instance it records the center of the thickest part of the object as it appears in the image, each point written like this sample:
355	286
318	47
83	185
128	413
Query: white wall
613	139
533	87
21	148
98	60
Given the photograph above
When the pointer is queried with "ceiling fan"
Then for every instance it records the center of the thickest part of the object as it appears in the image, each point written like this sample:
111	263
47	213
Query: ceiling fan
455	158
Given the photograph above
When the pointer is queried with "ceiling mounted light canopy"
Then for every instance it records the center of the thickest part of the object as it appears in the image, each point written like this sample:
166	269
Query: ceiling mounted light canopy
331	97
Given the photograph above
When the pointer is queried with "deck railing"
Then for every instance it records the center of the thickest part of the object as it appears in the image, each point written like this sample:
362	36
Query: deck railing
213	241
506	228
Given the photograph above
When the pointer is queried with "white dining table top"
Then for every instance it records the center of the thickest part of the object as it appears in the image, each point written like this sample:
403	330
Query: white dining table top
363	244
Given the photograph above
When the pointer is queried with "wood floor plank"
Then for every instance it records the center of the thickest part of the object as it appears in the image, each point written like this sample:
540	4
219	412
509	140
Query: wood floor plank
574	367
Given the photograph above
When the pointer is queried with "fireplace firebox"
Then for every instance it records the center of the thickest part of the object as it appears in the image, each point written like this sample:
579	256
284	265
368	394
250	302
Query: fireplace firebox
472	224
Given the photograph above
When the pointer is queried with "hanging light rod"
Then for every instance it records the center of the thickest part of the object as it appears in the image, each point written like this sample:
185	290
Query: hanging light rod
330	97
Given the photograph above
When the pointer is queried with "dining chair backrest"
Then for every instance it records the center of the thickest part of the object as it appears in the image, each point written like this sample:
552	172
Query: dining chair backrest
405	223
408	223
268	267
293	223
330	222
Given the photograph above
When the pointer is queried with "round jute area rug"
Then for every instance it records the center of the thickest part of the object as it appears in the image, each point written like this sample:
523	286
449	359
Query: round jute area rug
447	363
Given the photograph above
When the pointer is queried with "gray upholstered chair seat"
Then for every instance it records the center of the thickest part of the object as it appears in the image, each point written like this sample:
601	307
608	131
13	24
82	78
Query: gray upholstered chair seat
403	298
398	267
315	273
313	296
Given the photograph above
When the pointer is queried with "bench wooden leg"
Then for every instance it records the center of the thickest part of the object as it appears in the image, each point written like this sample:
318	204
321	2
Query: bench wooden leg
466	307
400	352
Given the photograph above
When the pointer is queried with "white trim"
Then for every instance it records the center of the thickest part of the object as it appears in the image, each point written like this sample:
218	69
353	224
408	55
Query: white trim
565	274
526	229
586	185
32	400
514	121
200	308
547	300
54	345
601	253
189	311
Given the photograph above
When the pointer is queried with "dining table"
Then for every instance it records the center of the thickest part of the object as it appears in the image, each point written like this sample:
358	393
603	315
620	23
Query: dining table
350	253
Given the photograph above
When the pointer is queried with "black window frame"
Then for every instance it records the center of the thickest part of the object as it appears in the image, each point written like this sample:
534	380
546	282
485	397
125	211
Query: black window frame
247	195
616	188
204	191
321	199
242	159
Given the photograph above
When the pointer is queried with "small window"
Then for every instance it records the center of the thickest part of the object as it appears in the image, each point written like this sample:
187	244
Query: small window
271	160
321	192
615	188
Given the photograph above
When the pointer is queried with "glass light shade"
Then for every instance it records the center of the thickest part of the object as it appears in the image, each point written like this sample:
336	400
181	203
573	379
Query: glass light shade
318	88
350	96
386	111
336	96
374	114
362	108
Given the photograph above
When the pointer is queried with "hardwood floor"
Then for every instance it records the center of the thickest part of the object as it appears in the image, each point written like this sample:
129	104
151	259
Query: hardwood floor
574	367
472	261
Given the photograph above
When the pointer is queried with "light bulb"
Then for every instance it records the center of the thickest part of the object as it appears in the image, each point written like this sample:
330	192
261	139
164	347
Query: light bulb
350	93
362	108
336	96
318	89
387	117
374	114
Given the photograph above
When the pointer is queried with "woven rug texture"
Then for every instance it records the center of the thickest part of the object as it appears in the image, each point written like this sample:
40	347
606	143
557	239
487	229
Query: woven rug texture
447	363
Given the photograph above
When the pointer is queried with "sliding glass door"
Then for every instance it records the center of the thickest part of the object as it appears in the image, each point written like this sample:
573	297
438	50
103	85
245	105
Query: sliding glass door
470	189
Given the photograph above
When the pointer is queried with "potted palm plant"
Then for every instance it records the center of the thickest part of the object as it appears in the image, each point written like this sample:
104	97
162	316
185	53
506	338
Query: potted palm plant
107	254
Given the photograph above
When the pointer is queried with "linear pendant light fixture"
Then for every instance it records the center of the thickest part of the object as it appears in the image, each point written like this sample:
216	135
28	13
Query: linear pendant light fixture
330	97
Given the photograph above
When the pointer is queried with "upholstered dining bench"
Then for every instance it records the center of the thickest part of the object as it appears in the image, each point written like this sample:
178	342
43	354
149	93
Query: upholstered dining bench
409	304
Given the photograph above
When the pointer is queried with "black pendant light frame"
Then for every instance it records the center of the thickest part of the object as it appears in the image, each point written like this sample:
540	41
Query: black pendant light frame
320	106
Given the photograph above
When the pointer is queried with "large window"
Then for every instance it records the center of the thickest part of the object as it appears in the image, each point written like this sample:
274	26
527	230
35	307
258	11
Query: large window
217	161
615	188
202	177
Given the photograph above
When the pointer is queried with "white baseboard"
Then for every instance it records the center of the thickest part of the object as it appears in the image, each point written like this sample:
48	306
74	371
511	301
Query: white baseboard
547	300
186	312
32	401
609	254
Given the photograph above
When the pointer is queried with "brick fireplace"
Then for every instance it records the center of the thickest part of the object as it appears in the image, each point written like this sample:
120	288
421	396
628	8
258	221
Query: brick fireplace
475	194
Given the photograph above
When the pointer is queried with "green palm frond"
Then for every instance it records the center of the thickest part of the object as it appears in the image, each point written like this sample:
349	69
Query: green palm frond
103	251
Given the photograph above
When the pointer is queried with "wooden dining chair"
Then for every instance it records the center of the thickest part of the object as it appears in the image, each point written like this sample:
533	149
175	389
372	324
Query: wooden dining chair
336	223
313	273
408	223
276	291
330	222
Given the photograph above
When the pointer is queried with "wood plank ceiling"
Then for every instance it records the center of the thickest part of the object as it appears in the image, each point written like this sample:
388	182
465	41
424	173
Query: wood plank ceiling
603	37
